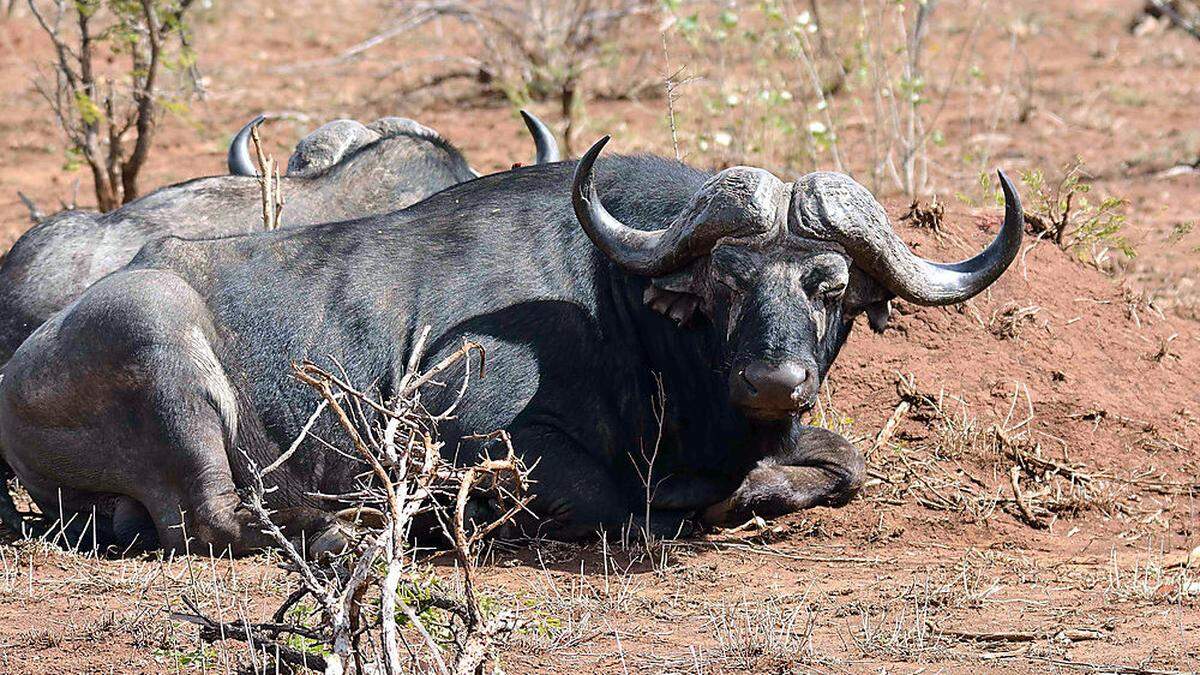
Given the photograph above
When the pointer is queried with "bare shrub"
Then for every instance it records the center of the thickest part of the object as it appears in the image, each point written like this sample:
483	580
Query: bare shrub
376	606
529	50
97	101
899	90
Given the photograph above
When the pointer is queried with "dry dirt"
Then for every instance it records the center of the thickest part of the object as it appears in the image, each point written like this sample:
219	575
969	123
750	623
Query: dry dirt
1085	384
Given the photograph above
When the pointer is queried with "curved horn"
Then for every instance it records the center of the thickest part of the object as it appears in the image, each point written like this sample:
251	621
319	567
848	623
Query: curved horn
239	160
637	251
740	200
877	249
968	278
543	139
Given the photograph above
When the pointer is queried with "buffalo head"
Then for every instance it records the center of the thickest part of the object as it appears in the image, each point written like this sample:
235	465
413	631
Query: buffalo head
782	270
333	142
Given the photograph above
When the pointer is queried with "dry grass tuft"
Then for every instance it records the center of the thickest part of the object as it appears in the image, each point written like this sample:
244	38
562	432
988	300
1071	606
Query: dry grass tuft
975	468
1008	321
760	635
925	216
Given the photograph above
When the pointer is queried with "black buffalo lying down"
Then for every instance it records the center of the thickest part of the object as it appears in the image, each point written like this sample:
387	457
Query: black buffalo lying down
738	288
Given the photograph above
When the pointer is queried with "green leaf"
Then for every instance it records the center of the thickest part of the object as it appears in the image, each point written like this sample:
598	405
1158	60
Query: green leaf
89	112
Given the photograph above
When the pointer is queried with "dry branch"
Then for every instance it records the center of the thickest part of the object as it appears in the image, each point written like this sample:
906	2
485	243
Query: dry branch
36	215
375	597
268	181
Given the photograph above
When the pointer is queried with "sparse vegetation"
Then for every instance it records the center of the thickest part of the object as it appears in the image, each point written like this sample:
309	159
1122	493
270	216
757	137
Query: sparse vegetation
375	589
97	101
529	50
1011	471
1031	495
1062	212
852	65
757	636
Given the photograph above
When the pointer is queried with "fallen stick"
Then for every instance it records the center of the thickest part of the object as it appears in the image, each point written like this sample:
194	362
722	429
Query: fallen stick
1014	476
889	428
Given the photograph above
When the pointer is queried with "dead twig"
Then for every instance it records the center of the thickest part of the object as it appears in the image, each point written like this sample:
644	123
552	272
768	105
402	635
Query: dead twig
268	182
926	216
212	631
376	601
889	427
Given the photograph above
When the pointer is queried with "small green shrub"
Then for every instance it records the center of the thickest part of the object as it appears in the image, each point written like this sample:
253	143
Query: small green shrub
1062	211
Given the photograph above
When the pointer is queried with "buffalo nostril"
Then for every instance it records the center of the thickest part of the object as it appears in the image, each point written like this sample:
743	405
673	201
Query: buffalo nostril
749	383
775	385
799	392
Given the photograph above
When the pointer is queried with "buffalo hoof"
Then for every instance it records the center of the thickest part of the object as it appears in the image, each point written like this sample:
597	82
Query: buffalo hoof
319	534
772	490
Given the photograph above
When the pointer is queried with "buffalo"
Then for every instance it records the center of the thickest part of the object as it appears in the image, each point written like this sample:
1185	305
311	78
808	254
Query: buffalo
342	170
588	283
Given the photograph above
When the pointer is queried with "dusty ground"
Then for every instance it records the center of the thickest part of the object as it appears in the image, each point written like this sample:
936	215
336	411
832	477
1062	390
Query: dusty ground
1087	384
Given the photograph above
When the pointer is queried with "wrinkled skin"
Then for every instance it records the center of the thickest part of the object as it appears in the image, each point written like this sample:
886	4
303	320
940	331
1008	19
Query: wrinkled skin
140	398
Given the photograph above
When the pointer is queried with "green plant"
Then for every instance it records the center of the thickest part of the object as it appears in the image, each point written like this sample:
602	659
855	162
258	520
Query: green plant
301	614
859	92
1062	212
1181	230
98	101
735	114
201	658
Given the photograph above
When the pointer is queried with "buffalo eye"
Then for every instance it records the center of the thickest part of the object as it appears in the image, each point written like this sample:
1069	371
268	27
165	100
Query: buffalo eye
832	291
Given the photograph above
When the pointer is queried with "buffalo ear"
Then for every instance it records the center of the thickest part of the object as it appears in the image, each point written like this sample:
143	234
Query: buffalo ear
671	295
865	294
878	315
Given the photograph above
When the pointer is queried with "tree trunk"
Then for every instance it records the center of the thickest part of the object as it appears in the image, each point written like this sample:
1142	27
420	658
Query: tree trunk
570	105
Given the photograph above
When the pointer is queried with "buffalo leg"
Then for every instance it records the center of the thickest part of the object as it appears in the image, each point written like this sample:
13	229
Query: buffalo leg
119	400
196	507
204	513
817	468
577	496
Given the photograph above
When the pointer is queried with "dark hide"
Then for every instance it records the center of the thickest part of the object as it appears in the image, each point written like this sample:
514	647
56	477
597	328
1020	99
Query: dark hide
174	366
383	171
